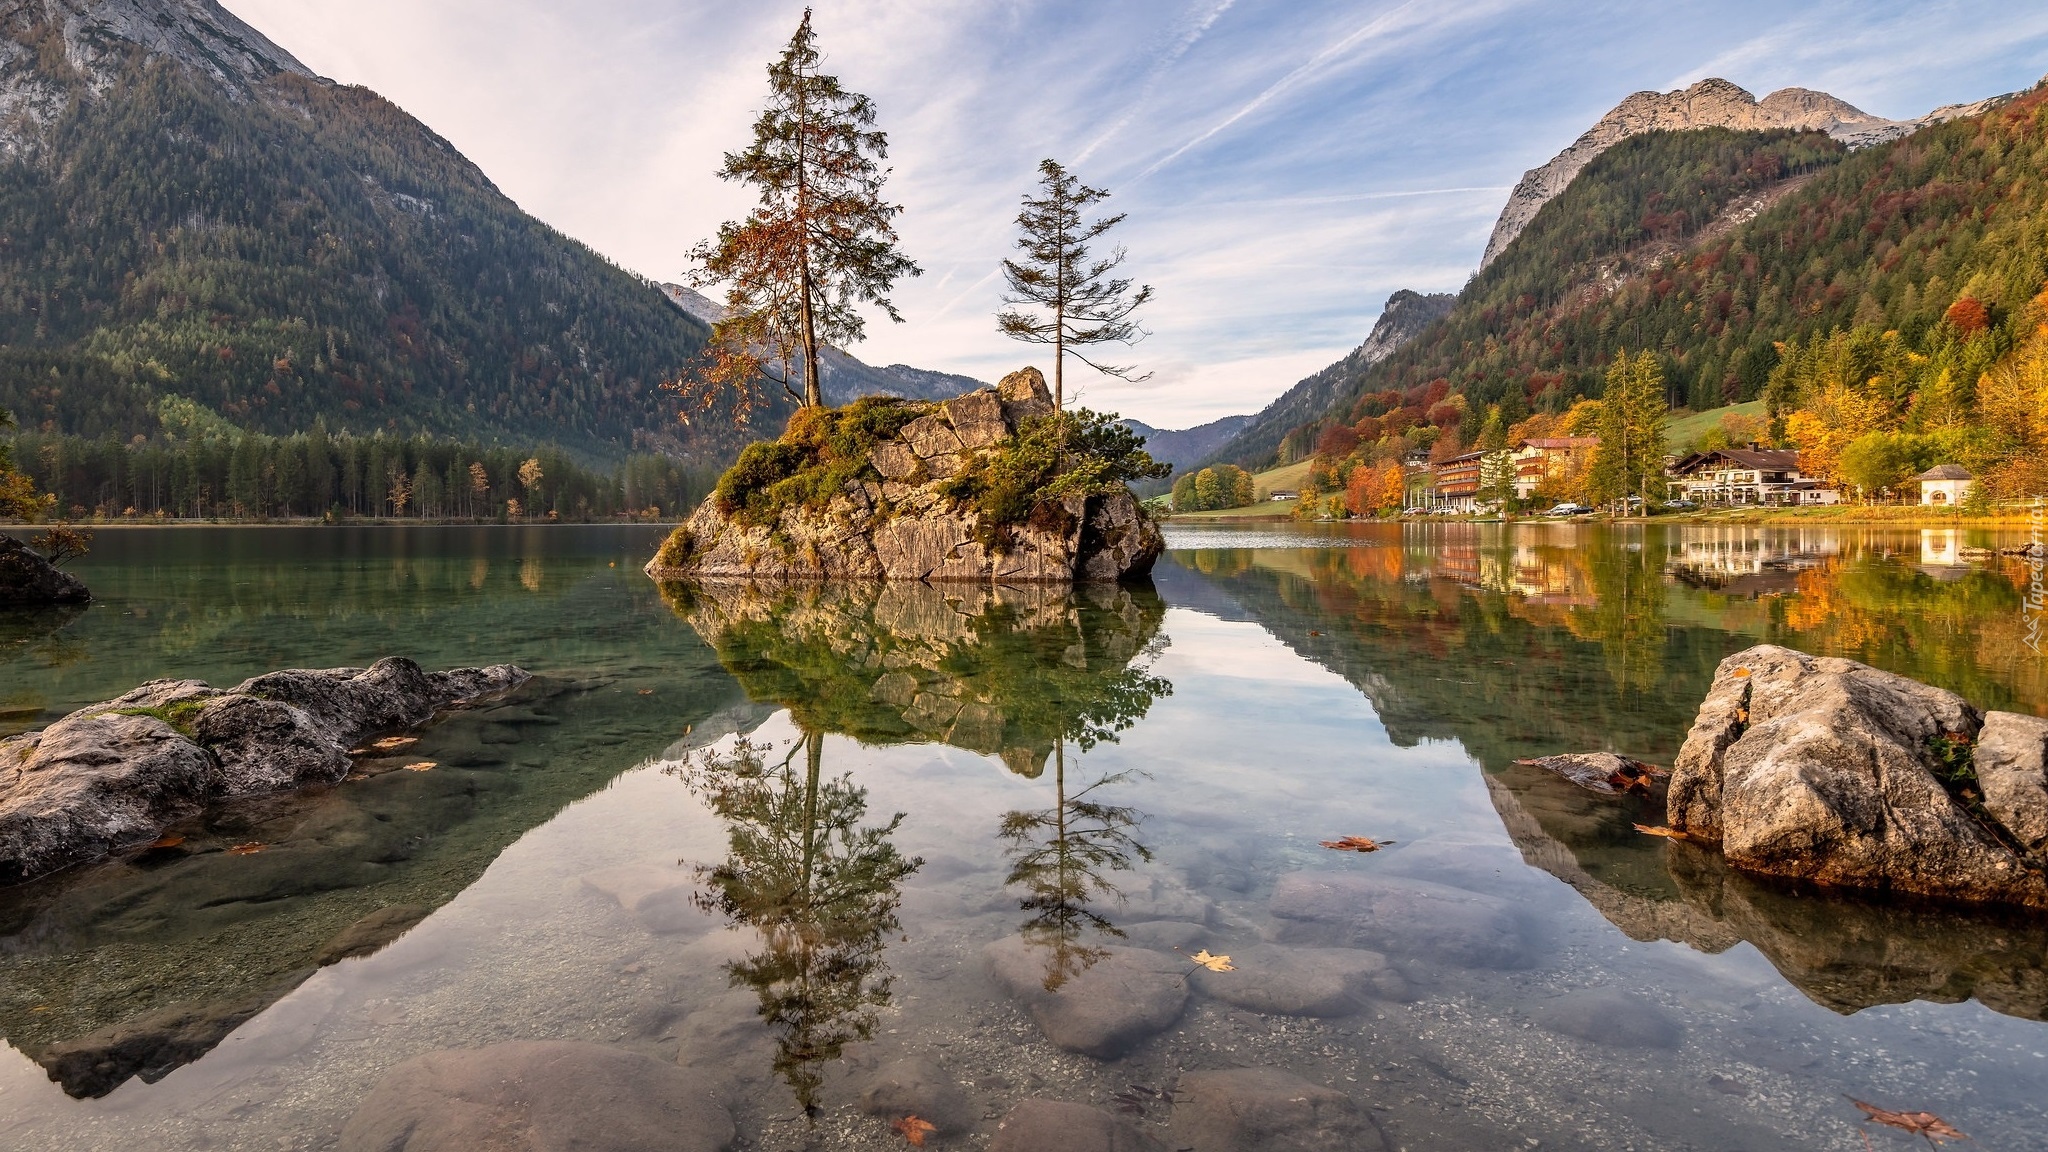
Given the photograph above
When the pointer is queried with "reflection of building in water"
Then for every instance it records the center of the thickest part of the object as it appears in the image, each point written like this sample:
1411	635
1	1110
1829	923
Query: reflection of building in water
1941	554
1747	561
1540	570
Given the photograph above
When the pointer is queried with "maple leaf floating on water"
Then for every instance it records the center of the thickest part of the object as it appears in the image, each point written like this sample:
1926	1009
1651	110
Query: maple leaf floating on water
1925	1125
1213	963
422	766
387	744
249	849
914	1129
1667	833
1355	844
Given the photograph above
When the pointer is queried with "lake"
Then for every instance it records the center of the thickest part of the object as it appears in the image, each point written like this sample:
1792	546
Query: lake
789	838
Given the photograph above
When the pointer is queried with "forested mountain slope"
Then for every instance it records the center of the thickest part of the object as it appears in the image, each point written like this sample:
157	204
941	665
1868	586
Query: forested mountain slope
186	212
1717	250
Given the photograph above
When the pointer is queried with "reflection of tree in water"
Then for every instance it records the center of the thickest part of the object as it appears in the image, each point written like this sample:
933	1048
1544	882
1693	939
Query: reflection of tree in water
819	887
1062	857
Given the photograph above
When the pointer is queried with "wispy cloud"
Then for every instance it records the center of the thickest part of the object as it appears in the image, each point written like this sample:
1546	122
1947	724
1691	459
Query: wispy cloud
1286	164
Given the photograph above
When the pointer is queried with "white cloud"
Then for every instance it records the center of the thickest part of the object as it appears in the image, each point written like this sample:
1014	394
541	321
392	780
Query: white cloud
1286	163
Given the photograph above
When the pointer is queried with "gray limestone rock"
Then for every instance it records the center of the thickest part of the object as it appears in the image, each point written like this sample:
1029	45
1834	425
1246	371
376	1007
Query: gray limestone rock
540	1096
1395	914
902	523
93	782
1303	981
977	418
116	774
27	580
1267	1110
1101	1010
2012	767
1826	770
1602	772
1059	1126
1024	396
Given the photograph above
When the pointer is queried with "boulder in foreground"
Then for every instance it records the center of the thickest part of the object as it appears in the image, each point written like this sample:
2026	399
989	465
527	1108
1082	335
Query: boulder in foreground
1834	772
118	773
991	486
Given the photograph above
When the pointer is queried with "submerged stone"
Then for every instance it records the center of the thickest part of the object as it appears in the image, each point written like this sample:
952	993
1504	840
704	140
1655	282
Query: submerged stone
1399	915
1100	1008
1303	981
1049	1125
1609	1017
540	1096
1267	1110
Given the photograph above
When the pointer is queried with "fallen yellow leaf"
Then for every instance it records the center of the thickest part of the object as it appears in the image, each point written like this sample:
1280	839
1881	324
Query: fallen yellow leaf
249	849
1213	963
421	766
1355	844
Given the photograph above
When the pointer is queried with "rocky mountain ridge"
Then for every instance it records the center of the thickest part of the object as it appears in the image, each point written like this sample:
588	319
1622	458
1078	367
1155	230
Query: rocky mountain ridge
1710	103
1182	447
96	38
1404	318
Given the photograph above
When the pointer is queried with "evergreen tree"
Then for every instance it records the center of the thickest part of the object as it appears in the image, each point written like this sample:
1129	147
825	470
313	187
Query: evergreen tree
1074	302
1632	414
821	240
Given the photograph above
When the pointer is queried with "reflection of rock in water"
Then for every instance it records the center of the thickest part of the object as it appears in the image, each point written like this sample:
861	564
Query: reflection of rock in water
136	966
991	669
1845	953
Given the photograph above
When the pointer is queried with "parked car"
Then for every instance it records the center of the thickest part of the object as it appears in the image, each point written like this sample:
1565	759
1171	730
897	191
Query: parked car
1683	506
1416	511
1569	509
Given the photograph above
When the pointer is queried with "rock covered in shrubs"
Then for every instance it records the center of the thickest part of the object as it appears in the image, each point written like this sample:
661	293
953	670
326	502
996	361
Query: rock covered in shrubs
976	488
117	773
27	580
1831	771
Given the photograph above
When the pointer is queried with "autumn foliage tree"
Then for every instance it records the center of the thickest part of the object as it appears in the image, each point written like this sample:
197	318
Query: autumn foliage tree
821	241
1058	294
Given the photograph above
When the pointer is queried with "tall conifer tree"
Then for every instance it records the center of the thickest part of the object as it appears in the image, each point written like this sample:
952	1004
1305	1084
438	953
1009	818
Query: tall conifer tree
821	240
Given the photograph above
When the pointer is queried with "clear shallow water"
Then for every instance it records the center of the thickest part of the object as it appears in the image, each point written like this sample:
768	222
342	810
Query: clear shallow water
1276	689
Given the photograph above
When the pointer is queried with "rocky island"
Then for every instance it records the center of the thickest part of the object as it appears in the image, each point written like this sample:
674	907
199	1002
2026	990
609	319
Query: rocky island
991	486
116	774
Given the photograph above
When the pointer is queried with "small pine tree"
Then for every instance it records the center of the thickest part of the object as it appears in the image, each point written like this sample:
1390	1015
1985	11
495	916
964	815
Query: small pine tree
1076	303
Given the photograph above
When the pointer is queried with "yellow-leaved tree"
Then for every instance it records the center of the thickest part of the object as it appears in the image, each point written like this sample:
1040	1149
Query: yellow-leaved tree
1828	420
2012	400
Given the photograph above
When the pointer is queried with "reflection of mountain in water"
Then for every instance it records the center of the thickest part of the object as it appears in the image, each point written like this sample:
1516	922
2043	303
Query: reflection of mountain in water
135	967
1536	641
995	670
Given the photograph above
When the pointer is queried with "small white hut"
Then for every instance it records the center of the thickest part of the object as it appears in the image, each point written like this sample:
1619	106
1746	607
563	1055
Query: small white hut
1945	485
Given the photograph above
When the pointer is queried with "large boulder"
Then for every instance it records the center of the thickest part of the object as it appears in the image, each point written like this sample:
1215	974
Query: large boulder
118	773
894	518
1831	771
27	580
2012	767
540	1096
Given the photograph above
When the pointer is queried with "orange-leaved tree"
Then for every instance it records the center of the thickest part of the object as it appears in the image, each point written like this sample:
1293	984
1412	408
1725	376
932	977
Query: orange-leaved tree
821	240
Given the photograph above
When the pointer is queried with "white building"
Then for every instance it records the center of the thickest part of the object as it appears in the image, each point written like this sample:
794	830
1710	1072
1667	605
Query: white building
1945	485
1748	476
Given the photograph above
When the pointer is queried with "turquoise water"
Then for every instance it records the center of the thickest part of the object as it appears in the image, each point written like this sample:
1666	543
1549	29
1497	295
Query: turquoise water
623	852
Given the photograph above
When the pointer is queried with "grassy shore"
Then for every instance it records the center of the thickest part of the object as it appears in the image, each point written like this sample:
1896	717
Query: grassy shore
1866	515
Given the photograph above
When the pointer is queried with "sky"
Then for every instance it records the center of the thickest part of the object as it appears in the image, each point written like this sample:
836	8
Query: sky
1285	164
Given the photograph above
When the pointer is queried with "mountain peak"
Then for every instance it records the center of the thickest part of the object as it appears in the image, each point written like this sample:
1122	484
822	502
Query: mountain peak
98	36
1710	103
